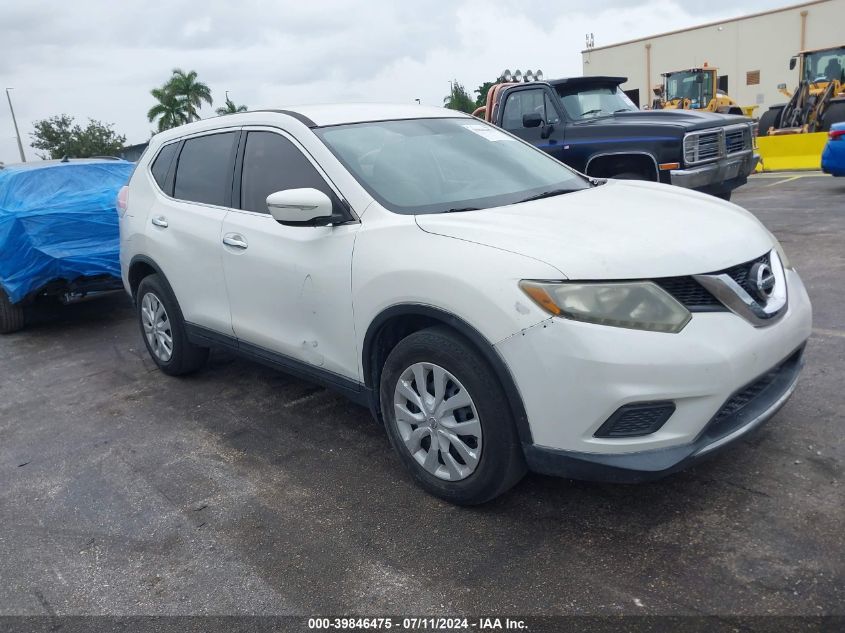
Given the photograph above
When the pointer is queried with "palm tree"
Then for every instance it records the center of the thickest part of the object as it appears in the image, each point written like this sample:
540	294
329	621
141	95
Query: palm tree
230	107
190	91
169	110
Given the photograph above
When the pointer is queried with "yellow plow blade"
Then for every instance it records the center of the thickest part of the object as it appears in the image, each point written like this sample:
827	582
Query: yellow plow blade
790	152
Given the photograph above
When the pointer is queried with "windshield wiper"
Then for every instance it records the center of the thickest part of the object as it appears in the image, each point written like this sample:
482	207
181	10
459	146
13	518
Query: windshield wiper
623	110
596	111
462	209
548	194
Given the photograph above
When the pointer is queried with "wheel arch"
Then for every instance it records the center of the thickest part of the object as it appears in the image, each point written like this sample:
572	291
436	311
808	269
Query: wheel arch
638	158
142	266
396	322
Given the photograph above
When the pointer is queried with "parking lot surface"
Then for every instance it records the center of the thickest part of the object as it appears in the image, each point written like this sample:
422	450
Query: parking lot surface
242	490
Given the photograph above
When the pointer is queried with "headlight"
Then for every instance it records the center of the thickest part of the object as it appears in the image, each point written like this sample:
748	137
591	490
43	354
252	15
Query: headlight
784	260
640	305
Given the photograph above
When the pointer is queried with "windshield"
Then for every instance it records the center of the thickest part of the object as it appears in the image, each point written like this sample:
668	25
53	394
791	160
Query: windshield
590	102
420	166
825	66
692	85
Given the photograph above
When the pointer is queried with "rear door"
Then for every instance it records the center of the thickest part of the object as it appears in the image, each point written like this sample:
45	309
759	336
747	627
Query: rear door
289	286
185	224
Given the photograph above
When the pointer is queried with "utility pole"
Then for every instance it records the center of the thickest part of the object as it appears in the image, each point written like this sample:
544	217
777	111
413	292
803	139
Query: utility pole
15	122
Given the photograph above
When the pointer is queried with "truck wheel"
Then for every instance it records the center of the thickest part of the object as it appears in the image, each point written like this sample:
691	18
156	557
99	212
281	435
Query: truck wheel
11	315
629	175
724	195
448	418
770	118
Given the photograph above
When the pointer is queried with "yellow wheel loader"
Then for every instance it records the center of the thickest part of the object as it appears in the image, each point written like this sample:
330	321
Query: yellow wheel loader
696	89
819	100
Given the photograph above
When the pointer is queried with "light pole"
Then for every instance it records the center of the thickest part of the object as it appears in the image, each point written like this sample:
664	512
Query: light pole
15	122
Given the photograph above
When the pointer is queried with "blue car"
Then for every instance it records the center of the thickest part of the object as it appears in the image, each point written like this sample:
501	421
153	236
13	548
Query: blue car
58	232
833	157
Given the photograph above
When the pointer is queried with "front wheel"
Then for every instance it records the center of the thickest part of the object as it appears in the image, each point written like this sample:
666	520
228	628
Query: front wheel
448	418
163	329
724	195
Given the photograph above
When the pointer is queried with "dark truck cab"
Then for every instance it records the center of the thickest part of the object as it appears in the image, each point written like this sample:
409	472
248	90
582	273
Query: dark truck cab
591	125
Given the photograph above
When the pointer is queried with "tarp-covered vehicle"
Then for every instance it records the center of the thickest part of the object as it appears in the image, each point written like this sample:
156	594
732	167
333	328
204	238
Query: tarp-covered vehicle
58	232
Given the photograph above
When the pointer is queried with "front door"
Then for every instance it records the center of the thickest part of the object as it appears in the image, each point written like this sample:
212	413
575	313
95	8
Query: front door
289	286
547	136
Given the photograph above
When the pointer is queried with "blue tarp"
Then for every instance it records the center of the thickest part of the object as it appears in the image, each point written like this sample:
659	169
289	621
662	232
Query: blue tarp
58	221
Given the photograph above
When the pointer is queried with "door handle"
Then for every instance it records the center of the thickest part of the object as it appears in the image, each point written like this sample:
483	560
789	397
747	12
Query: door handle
160	220
234	240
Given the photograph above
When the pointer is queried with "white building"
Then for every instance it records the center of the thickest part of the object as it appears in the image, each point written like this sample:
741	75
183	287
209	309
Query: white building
752	52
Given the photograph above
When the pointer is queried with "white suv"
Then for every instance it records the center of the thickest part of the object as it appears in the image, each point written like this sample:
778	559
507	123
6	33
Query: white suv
497	310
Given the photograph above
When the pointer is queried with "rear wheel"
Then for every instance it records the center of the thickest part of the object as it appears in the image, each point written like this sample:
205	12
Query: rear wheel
724	195
448	418
163	329
11	315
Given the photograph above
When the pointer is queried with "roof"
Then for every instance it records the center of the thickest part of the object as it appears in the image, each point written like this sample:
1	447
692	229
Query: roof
707	24
316	116
590	79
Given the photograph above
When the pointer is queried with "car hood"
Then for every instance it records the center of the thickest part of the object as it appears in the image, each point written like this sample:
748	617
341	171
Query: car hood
620	230
684	119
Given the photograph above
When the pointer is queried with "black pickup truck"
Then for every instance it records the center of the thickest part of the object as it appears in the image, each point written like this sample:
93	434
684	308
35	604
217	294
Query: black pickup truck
591	125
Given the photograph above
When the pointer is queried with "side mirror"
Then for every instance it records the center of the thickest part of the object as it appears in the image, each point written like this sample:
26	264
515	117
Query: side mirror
301	207
792	63
532	120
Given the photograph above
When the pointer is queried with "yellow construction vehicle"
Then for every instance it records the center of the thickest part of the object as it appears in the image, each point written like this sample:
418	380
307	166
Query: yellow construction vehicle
819	100
696	89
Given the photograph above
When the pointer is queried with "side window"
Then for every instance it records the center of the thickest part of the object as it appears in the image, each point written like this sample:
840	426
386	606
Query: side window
161	165
522	103
204	170
272	163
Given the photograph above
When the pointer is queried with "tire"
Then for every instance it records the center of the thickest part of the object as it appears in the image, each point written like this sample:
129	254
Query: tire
835	113
160	319
724	195
11	315
477	465
770	118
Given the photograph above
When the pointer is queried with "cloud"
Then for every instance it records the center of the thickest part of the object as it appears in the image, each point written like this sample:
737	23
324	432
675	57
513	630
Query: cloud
99	59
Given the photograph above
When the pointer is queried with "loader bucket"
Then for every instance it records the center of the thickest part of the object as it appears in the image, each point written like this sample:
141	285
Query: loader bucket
790	152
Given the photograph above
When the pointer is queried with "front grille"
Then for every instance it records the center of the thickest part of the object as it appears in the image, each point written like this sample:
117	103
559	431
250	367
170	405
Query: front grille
700	147
730	415
637	419
738	139
696	297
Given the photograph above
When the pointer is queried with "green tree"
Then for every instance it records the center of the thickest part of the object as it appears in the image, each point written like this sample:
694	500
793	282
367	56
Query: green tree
458	99
169	110
192	92
482	91
179	100
230	107
61	136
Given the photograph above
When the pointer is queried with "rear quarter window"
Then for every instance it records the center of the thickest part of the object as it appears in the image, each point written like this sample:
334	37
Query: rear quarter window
161	164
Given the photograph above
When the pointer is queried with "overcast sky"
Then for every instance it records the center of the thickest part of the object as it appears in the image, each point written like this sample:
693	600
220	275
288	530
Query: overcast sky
99	59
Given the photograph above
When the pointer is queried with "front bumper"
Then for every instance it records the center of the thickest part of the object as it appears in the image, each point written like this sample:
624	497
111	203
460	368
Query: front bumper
720	432
574	376
733	169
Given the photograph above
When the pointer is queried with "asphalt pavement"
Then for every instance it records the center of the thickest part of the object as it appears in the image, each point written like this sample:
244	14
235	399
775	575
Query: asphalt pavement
240	490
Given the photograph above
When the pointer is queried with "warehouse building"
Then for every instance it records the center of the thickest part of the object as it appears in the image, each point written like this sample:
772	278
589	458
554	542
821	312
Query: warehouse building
751	52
